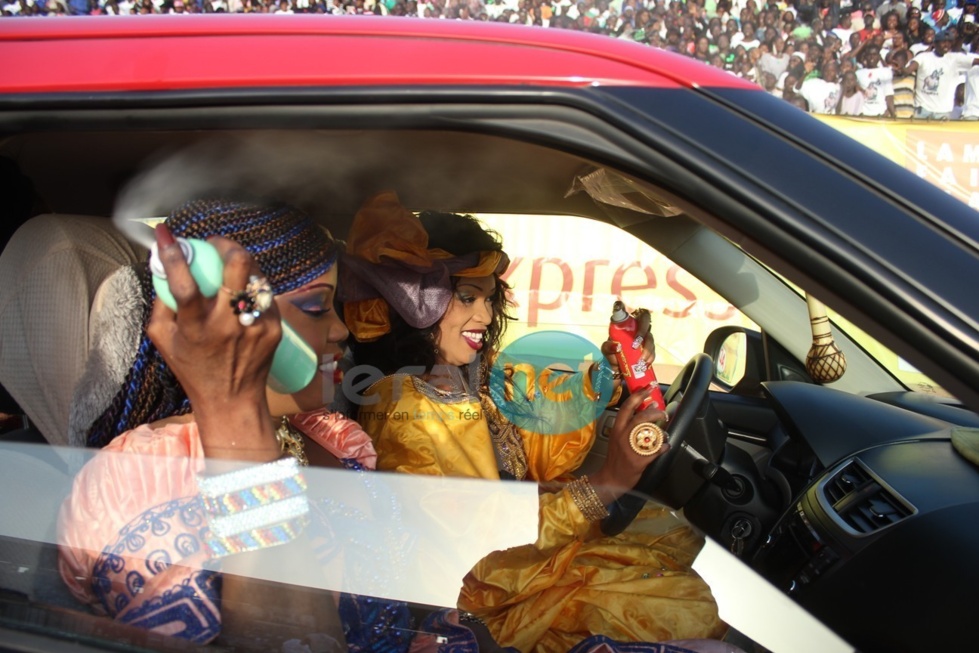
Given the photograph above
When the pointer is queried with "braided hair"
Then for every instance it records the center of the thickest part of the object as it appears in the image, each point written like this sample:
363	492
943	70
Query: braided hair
291	251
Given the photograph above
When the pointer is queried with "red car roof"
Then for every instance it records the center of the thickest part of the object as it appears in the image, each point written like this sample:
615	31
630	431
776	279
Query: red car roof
148	53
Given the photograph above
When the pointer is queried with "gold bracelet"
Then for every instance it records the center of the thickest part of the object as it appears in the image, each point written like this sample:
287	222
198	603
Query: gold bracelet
587	500
291	442
470	618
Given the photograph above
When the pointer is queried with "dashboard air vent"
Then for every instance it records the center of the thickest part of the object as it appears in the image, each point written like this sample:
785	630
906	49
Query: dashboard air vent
861	501
845	481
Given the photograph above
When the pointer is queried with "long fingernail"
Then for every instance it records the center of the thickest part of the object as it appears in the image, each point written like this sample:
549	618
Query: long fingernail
164	238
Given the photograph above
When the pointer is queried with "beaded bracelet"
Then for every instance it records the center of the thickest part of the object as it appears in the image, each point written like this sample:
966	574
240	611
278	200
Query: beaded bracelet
238	501
248	477
255	507
256	538
587	500
259	517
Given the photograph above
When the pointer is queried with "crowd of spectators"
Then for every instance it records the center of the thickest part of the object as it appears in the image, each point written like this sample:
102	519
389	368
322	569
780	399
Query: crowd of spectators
896	58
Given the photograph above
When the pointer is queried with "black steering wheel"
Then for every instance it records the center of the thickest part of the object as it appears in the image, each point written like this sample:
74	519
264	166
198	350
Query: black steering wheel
686	400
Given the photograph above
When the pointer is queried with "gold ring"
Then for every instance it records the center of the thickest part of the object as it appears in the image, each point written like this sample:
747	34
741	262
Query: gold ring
647	439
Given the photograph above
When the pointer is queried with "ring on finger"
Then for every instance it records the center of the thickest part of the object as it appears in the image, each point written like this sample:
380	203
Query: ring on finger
250	303
638	314
646	439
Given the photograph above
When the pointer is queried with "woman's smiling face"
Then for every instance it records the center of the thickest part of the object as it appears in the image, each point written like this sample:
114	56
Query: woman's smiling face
462	329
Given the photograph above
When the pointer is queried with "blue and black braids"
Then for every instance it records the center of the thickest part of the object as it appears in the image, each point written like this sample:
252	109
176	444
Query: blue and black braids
291	251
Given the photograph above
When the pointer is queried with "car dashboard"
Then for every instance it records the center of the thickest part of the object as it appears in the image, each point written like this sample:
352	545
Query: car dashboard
875	546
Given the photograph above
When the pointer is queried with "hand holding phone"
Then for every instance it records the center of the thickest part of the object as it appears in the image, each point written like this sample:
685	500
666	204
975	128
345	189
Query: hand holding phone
294	364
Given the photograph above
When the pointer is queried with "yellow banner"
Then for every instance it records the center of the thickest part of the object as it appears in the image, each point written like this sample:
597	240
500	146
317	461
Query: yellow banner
944	153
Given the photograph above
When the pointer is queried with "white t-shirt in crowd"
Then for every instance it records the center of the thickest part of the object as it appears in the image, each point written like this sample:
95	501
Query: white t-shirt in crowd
877	84
776	65
936	79
744	42
971	107
821	95
496	9
843	35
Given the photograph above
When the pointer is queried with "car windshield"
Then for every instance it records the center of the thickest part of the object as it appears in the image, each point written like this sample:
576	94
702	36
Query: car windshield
575	289
910	377
899	368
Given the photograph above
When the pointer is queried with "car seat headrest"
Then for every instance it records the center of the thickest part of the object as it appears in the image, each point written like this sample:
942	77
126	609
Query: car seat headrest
50	272
115	329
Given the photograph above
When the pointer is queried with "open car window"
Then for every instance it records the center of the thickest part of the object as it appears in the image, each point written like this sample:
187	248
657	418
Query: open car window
394	539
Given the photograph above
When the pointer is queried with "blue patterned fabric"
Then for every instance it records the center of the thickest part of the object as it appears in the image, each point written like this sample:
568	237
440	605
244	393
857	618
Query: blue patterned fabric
369	624
190	609
606	645
182	605
157	538
375	625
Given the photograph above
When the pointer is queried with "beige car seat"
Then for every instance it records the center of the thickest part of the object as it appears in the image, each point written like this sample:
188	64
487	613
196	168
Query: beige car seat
50	273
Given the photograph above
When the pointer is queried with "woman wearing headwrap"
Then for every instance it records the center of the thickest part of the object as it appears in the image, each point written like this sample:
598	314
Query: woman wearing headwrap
142	536
425	303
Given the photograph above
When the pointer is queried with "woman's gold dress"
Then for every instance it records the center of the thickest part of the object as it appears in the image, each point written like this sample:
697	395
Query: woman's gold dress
572	582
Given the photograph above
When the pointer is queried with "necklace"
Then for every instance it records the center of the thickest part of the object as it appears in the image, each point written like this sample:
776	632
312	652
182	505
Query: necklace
291	441
507	442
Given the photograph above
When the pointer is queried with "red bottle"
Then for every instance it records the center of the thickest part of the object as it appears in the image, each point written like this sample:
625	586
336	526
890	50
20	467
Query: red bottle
638	376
